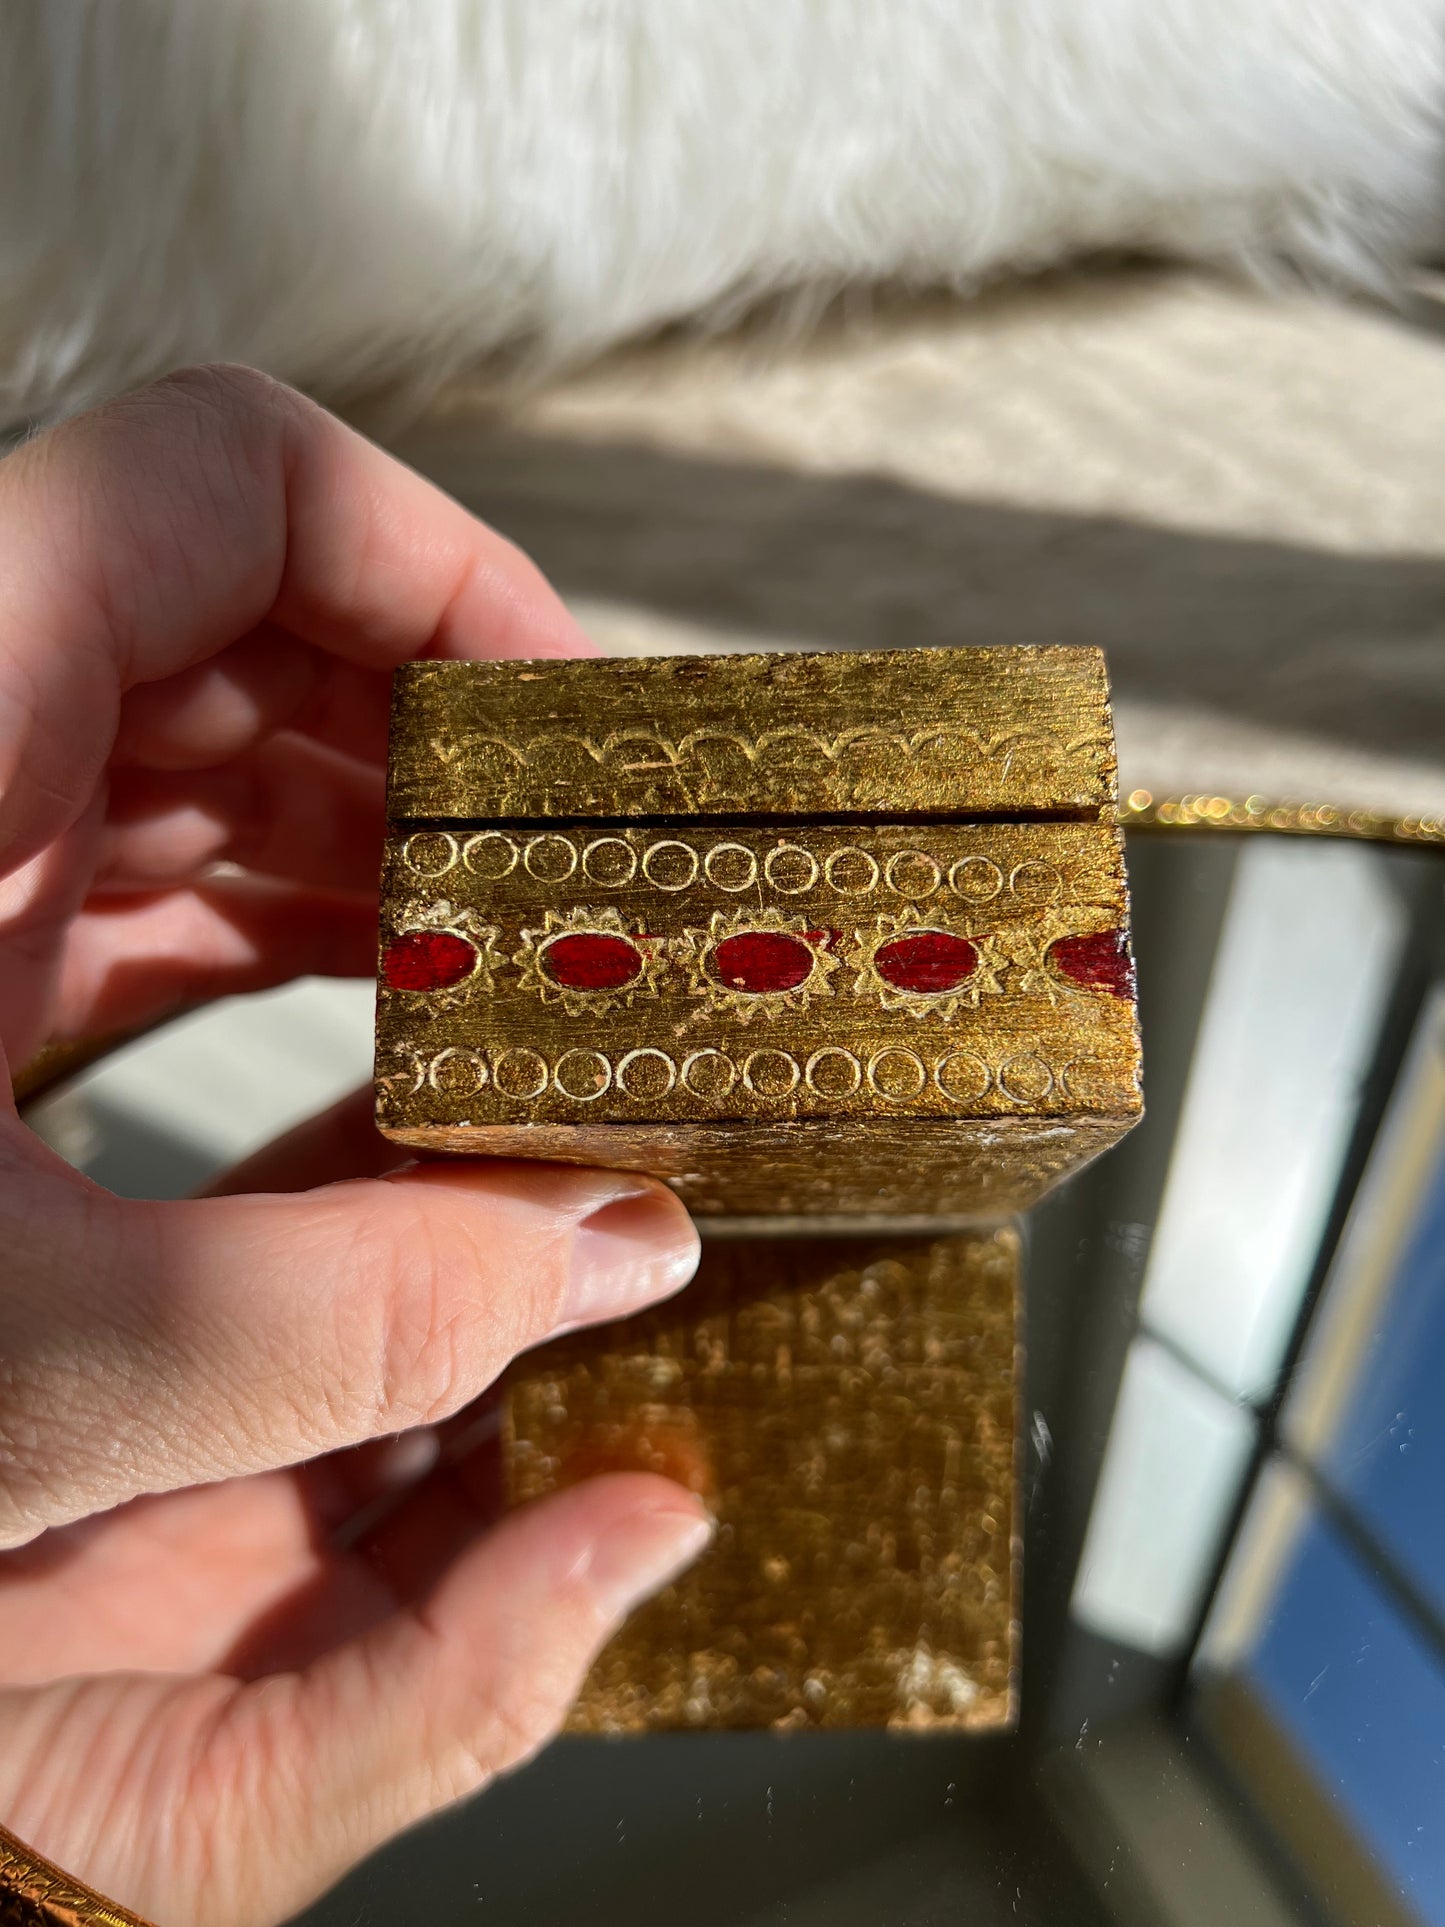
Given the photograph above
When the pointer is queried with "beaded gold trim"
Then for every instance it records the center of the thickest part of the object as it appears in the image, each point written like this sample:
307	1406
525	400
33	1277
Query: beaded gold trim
34	1892
1140	810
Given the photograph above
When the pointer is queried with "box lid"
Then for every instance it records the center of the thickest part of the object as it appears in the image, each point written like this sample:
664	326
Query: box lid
954	733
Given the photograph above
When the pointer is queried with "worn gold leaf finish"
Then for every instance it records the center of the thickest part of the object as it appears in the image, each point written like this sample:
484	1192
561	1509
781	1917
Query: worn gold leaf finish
682	1045
947	732
686	810
823	1168
809	938
847	1408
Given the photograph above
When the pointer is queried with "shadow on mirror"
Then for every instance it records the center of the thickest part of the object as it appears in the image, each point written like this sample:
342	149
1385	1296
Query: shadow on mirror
1234	1623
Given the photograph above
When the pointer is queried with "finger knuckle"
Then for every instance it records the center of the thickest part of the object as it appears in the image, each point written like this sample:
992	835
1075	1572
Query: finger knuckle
519	1721
423	1369
225	388
225	428
432	1346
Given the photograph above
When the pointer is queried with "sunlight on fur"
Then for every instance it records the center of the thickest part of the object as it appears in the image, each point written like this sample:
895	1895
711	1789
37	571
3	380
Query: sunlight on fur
366	195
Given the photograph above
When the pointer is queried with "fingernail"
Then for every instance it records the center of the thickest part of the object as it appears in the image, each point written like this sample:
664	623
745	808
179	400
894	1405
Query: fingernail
640	1553
629	1253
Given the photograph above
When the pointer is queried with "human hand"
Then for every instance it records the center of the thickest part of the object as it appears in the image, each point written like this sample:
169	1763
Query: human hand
213	1696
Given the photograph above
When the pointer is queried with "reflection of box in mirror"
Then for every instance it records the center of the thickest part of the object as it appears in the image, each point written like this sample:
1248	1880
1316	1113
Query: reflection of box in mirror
847	1409
801	934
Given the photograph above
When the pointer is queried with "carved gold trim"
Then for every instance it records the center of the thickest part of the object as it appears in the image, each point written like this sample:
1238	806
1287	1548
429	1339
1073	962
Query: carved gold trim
460	921
909	922
34	1892
587	922
1140	810
683	751
698	949
996	731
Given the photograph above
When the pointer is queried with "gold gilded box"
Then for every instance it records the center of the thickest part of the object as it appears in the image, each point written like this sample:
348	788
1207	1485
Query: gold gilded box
817	934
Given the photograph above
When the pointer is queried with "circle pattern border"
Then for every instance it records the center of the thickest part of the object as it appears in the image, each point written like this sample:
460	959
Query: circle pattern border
505	1063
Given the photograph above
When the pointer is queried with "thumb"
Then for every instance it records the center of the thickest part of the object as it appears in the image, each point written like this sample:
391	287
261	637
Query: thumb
152	1346
476	1676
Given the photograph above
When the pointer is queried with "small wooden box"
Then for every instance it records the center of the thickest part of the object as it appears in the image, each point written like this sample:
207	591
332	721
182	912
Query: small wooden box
800	934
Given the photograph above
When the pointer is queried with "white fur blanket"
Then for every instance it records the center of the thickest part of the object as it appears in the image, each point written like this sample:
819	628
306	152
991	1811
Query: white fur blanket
363	195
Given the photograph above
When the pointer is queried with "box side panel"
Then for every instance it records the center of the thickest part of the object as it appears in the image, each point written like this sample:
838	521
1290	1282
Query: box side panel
862	1168
848	1410
943	732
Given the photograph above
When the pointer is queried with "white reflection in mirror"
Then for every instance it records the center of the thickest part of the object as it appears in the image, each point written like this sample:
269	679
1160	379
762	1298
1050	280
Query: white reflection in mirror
1304	970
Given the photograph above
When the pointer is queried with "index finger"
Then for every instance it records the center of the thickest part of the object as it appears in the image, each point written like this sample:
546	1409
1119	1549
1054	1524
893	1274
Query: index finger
141	539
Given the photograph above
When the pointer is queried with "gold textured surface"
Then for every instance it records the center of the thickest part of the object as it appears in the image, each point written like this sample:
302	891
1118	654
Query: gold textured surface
678	1074
821	1167
505	1047
951	732
36	1893
848	1409
842	1086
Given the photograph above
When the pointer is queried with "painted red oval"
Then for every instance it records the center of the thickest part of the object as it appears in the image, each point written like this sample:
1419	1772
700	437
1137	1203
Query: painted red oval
926	961
591	960
759	961
1100	961
427	960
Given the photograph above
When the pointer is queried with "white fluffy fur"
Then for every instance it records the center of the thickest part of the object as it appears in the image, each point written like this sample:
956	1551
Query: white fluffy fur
363	193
